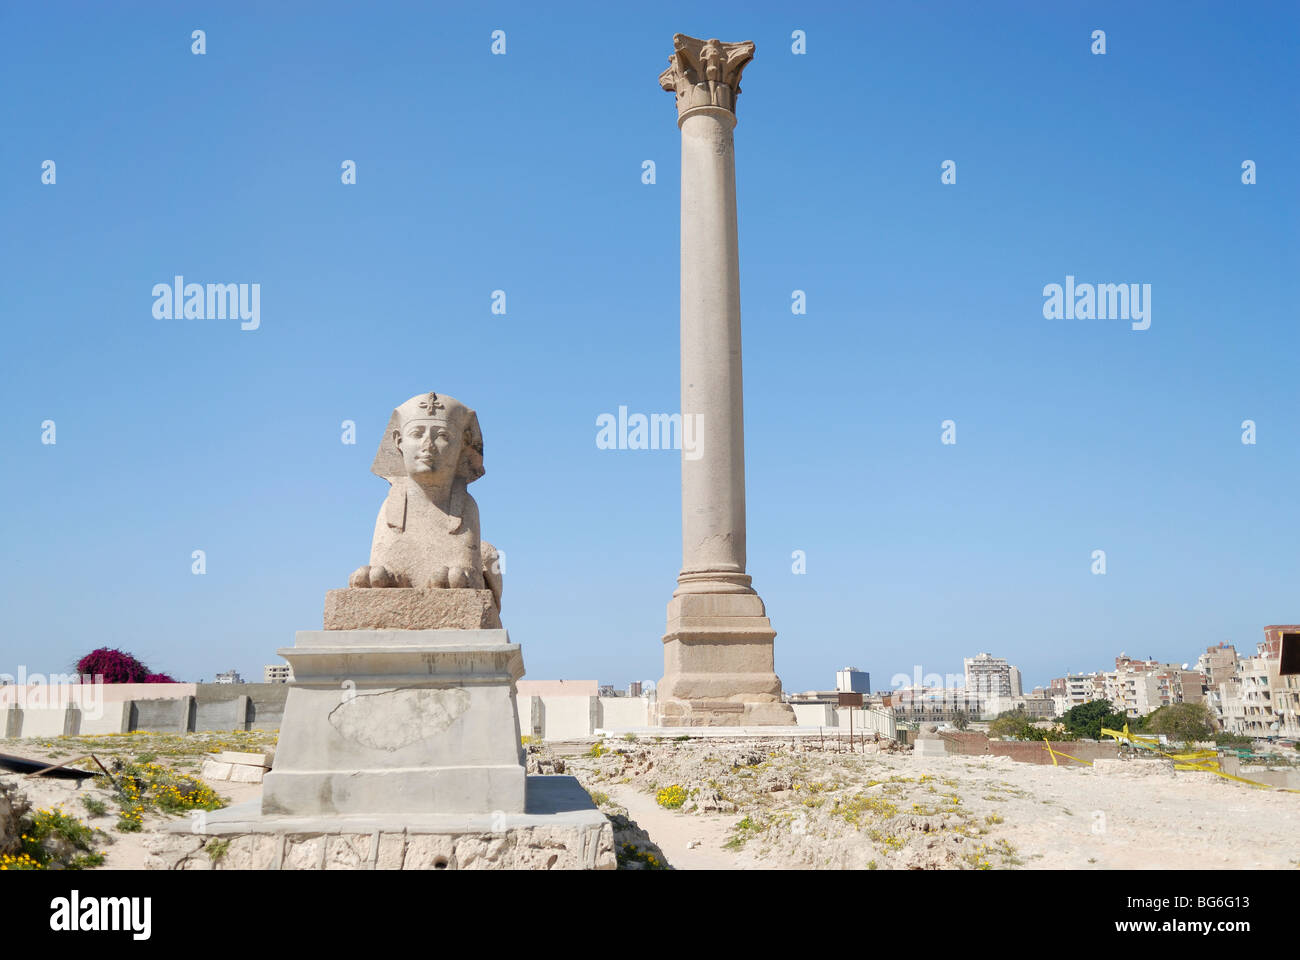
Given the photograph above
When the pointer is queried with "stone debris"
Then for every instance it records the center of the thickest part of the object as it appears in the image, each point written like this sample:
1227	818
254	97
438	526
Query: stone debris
237	767
12	808
1133	768
545	765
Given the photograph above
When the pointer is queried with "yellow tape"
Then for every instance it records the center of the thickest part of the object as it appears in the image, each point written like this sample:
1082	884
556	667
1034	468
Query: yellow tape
1194	755
1131	737
1058	753
1205	766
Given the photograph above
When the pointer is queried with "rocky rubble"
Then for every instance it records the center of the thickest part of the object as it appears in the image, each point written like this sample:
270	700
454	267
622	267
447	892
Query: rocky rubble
801	804
12	809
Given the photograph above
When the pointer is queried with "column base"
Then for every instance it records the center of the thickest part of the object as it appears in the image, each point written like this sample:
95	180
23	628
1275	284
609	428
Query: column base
718	664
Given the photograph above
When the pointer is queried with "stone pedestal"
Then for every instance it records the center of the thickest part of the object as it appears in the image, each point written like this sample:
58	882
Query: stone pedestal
399	722
928	742
718	667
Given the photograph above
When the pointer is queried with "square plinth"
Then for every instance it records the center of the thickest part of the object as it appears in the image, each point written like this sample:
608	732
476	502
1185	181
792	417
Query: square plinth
404	608
412	722
718	664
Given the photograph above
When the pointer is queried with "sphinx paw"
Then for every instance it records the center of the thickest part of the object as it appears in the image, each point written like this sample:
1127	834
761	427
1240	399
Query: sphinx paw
380	576
458	577
360	577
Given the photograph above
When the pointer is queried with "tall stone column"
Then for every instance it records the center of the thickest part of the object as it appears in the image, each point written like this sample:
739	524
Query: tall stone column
718	665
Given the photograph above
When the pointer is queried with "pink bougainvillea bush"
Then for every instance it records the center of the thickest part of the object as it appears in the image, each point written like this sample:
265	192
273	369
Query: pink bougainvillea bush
117	666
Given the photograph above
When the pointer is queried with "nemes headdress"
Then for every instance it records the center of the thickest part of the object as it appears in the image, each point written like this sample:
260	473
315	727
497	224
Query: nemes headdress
435	408
458	419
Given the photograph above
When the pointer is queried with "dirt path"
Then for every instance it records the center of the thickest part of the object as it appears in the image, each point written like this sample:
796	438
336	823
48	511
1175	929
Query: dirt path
673	831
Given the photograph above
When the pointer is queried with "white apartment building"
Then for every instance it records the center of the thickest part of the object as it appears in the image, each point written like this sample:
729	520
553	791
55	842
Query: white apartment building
1219	664
277	673
991	676
1248	698
1257	700
1286	704
937	704
1083	688
1159	688
1129	689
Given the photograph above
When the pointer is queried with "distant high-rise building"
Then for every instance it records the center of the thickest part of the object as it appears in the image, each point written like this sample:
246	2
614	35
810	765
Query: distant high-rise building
230	676
852	680
634	688
991	676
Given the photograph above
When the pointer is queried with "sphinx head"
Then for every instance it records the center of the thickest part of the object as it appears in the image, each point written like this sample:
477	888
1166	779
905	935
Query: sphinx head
433	439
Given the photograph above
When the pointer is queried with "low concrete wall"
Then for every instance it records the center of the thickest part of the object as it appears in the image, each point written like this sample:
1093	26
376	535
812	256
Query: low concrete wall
814	714
564	718
618	713
266	705
231	714
530	715
217	706
557	688
44	722
866	721
1231	764
113	718
86	695
163	716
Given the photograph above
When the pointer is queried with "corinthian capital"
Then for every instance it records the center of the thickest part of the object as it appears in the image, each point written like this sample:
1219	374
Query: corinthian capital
705	73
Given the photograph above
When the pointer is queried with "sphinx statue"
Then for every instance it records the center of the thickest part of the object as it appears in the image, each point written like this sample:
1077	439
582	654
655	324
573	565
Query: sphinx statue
404	703
427	533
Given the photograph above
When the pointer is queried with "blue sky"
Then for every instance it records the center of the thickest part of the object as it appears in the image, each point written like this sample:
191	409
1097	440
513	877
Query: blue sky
522	173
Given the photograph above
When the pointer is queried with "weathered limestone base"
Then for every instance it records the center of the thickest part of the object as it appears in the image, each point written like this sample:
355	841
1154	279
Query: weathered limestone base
930	748
562	830
718	664
413	722
404	608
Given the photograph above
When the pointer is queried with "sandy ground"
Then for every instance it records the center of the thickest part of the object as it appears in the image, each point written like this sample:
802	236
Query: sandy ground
784	807
694	843
763	805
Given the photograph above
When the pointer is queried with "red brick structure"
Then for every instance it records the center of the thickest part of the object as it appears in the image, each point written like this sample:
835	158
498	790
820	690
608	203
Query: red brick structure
1027	751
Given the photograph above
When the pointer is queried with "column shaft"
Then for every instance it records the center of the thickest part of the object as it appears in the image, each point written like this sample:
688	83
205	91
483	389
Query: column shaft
713	472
